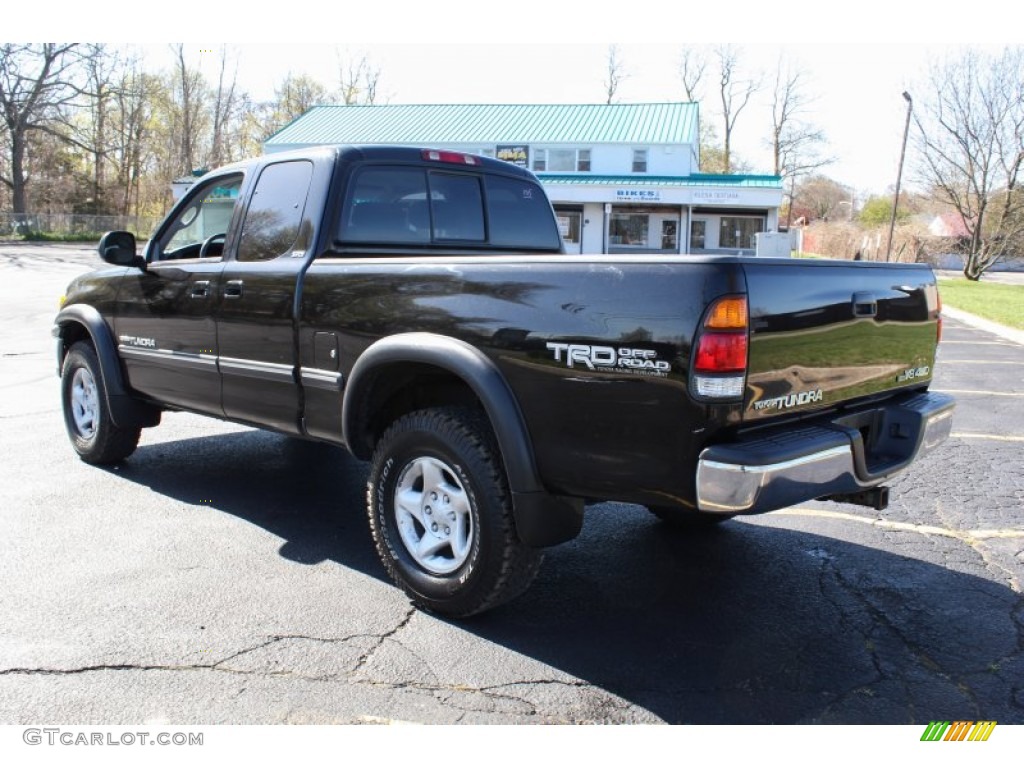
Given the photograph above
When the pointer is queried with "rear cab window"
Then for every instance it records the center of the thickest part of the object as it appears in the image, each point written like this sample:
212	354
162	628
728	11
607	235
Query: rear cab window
422	207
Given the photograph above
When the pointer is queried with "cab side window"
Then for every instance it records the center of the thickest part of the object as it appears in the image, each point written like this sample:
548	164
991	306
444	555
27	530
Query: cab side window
200	227
274	224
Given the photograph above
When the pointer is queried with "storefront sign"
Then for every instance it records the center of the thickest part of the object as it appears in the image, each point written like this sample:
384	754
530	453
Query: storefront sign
637	195
729	195
517	154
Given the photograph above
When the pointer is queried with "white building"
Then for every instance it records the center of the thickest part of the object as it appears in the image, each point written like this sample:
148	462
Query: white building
623	178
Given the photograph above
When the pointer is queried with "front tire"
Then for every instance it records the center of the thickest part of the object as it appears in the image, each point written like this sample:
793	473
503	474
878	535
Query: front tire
94	436
441	514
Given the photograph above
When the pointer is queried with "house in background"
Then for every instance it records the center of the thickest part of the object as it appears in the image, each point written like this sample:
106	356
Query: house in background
623	178
948	225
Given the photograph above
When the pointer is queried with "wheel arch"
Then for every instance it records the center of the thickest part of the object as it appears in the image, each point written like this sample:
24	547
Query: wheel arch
81	322
542	519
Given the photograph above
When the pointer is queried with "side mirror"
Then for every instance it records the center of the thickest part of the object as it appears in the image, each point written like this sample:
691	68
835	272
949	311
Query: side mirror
119	248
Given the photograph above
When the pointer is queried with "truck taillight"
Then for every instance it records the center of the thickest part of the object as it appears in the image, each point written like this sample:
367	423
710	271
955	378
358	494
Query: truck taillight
445	156
938	324
720	352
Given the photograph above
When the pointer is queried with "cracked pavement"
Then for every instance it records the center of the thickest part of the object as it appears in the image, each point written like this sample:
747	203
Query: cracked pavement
226	575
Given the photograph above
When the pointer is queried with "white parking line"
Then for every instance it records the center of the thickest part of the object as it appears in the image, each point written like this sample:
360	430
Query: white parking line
982	436
983	362
892	525
987	392
944	342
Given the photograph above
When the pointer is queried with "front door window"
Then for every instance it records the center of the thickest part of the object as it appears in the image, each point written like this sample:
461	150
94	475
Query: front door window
200	227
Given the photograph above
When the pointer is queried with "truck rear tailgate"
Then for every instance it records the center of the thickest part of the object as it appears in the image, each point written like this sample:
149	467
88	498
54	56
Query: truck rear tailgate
827	332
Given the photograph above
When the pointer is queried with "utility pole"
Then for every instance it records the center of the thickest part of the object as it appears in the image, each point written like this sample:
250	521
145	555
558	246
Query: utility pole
899	175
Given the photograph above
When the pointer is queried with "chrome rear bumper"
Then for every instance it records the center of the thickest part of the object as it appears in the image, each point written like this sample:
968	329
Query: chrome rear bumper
793	465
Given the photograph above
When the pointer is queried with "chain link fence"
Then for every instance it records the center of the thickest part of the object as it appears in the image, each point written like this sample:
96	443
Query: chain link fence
72	225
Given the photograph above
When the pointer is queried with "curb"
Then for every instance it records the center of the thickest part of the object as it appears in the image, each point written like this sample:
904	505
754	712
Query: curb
1003	331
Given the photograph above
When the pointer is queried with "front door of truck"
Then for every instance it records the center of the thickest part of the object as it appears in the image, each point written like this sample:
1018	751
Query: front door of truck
166	316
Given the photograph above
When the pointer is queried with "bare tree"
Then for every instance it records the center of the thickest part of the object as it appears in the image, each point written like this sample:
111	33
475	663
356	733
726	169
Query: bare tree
36	82
822	197
189	95
131	141
796	143
616	73
358	80
692	64
225	104
735	93
295	95
970	139
100	65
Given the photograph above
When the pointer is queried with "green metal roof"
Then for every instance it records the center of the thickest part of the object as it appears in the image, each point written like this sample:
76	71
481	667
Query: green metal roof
664	123
694	180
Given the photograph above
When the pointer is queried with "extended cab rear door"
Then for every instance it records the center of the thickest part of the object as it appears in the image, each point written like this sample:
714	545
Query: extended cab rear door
256	316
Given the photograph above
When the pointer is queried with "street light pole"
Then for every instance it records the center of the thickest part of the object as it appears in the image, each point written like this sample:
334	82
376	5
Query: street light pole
899	175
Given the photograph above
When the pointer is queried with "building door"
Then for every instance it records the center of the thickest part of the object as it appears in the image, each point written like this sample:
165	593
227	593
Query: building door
569	228
698	235
669	235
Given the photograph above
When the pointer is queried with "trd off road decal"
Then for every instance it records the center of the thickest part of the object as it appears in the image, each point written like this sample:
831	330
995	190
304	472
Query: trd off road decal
640	362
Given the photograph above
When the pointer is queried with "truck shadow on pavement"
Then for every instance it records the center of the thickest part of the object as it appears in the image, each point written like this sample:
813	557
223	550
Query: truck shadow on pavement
750	623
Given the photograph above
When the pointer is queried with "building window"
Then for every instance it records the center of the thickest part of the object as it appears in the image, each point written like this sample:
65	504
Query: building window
639	161
739	231
628	229
562	160
569	225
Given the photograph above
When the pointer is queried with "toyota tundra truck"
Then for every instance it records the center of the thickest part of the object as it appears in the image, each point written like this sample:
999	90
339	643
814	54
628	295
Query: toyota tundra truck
417	307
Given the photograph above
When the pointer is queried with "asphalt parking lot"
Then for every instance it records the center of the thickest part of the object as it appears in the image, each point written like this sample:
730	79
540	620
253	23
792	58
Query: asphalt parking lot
226	575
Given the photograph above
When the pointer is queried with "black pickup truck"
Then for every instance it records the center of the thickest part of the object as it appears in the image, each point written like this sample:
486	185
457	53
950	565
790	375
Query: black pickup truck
417	307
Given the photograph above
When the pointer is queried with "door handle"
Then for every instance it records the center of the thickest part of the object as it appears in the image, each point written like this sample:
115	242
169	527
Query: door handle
233	289
200	289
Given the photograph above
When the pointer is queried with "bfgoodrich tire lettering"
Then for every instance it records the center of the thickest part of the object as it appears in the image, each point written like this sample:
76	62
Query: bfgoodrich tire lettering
93	434
441	514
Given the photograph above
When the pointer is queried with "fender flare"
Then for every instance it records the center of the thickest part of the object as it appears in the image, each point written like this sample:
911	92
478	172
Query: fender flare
125	409
541	518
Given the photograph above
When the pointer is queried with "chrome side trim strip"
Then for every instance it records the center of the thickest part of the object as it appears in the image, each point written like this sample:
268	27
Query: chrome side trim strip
256	369
192	360
321	379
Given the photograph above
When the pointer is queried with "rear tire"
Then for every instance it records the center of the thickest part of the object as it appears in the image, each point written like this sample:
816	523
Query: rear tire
441	514
94	436
688	519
